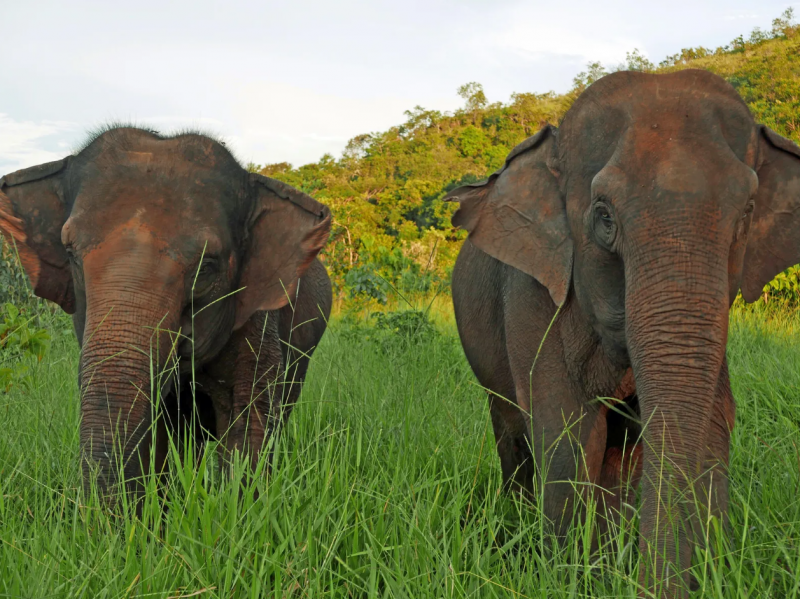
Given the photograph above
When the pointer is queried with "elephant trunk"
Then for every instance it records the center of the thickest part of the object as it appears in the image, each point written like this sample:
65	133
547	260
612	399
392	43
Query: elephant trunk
128	339
677	325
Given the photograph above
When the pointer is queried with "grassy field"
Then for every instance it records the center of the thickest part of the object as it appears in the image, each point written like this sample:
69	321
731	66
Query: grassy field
386	484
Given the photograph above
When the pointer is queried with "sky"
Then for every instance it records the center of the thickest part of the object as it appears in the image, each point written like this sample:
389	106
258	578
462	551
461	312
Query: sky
293	80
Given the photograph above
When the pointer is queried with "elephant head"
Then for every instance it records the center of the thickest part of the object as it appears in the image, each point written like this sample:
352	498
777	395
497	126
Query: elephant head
655	201
141	237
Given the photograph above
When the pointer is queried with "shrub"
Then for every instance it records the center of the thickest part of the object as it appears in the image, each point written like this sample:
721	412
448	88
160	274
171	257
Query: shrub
784	288
391	332
363	281
21	340
14	287
405	324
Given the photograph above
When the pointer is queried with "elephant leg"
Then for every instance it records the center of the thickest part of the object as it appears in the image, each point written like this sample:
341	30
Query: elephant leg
567	431
512	442
509	421
478	284
290	383
220	396
166	429
569	443
616	488
491	366
622	463
255	393
479	316
197	419
301	325
242	385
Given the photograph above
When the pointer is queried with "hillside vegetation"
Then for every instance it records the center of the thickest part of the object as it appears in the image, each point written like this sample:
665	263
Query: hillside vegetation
391	228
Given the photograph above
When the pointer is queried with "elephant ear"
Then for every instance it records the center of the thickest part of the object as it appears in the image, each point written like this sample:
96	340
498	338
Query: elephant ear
518	215
773	241
286	232
32	213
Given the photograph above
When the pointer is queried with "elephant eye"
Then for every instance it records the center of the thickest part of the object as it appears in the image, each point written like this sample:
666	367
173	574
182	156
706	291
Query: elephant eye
72	255
205	268
605	227
741	225
204	276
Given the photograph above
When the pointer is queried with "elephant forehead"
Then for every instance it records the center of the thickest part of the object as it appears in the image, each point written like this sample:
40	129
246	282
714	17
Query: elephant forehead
183	234
136	231
655	111
679	171
165	201
132	250
148	177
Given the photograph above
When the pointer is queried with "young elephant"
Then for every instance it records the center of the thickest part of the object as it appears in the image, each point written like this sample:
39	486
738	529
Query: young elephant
141	236
640	218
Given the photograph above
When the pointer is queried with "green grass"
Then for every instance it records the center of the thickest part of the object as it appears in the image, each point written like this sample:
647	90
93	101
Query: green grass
386	484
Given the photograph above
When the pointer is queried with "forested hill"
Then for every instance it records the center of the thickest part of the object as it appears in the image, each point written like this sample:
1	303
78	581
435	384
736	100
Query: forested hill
390	226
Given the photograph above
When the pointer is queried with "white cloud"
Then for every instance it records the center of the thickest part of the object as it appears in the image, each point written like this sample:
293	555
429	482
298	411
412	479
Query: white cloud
280	122
290	81
741	16
557	41
28	143
530	31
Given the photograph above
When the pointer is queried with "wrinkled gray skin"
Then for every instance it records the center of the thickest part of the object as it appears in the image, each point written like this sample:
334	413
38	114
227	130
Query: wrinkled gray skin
656	200
139	237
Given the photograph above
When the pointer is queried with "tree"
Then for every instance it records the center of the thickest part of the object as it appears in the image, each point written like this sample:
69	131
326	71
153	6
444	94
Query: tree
685	56
357	147
593	72
636	61
472	92
784	25
270	170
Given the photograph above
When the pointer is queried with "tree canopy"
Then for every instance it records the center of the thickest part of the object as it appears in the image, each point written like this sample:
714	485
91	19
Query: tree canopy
391	227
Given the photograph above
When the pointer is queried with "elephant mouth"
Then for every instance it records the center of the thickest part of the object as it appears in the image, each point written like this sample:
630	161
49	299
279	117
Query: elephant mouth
202	340
624	423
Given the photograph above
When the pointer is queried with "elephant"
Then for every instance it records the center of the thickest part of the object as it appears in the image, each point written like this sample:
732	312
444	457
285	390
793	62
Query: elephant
170	256
601	261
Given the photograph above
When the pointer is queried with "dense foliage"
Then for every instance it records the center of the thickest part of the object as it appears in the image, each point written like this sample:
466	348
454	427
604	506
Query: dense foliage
391	228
